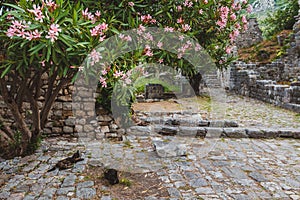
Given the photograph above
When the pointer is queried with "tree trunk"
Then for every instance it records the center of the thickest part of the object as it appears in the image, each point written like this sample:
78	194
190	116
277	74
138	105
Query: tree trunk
195	82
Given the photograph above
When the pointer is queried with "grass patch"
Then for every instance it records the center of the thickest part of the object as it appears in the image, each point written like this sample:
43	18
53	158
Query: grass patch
140	85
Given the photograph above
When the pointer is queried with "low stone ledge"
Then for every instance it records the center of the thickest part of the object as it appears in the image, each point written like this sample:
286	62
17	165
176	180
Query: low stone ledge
235	133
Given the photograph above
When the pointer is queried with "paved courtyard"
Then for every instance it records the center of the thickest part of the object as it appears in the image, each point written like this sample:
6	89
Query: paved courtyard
214	168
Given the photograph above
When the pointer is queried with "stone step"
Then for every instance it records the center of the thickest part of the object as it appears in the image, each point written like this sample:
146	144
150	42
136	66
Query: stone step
214	132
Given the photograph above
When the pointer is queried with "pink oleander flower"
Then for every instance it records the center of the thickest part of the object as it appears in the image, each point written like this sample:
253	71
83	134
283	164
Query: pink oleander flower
200	11
55	28
52	5
244	19
148	36
85	13
169	29
205	1
21	33
179	55
94	32
221	24
186	27
29	36
104	72
95	57
249	8
245	26
37	11
237	26
179	8
103	82
43	63
131	4
228	50
233	17
159	44
180	20
11	32
181	37
148	51
118	74
244	1
97	13
161	60
53	32
236	32
51	36
188	3
198	47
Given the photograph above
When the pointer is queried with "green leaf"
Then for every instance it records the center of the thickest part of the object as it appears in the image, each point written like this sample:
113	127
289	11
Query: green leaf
6	71
14	6
36	48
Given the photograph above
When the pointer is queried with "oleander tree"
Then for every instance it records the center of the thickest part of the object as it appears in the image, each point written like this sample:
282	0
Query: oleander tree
51	38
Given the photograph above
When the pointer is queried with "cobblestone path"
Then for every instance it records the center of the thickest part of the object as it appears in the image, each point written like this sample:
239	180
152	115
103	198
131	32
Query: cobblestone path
215	168
233	169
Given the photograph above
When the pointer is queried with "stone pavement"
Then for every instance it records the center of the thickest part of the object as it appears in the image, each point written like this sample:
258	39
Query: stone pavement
213	168
229	169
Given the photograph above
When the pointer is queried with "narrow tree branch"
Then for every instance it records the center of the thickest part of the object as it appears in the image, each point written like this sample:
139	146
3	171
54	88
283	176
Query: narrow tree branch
49	101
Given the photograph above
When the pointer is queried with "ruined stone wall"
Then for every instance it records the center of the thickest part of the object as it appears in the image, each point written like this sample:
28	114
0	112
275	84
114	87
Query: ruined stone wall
250	37
248	82
62	118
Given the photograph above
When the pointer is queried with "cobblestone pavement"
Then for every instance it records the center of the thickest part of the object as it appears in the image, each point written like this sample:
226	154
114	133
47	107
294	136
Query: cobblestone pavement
232	169
214	168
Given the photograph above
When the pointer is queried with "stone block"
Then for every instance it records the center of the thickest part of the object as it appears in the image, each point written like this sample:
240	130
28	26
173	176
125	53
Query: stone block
104	129
169	149
201	132
70	121
235	133
214	132
68	129
188	131
139	130
217	123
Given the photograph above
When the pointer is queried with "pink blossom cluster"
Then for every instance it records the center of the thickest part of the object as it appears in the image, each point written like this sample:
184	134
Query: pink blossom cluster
125	38
233	35
103	82
183	49
99	30
169	29
236	6
37	11
141	29
188	3
224	11
186	27
148	51
95	56
89	16
18	28
51	5
53	32
148	19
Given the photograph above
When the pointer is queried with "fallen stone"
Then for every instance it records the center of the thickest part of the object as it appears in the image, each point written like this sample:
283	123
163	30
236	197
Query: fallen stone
169	149
231	124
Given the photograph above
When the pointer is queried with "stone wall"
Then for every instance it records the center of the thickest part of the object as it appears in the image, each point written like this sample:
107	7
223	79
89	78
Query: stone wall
250	37
245	80
62	118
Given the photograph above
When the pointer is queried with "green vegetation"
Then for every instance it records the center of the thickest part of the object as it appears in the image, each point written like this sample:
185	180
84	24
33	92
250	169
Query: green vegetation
280	19
140	85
